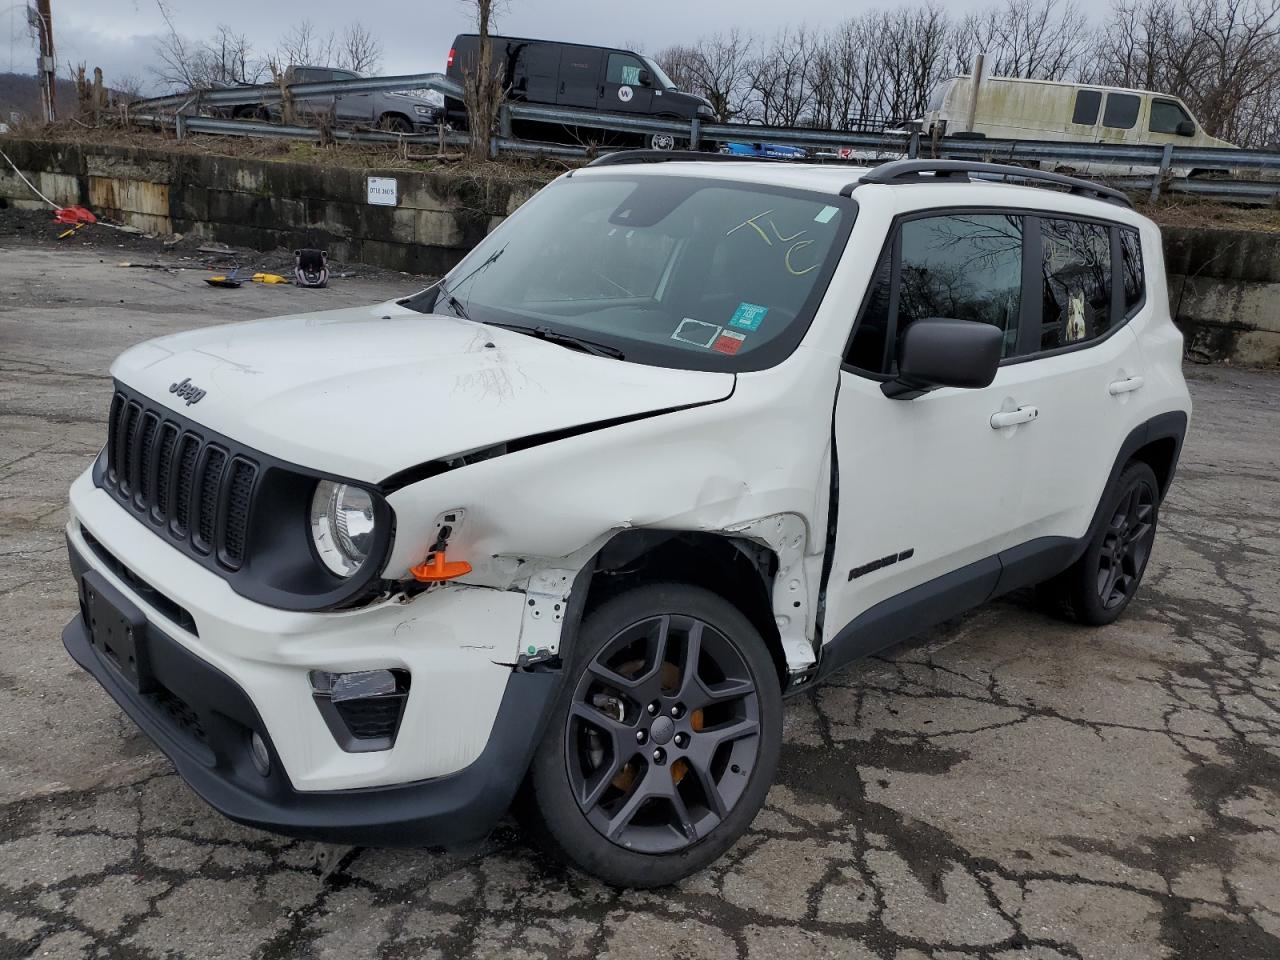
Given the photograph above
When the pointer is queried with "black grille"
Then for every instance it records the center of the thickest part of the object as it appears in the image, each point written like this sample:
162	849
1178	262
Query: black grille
372	718
198	491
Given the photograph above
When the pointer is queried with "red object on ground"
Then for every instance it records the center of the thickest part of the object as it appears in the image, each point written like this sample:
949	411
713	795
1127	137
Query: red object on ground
73	215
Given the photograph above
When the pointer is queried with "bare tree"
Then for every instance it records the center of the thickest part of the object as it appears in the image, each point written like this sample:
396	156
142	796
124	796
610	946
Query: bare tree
780	78
1035	39
359	50
305	44
717	67
482	82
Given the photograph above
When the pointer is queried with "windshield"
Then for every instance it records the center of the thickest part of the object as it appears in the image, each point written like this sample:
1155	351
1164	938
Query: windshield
676	272
659	75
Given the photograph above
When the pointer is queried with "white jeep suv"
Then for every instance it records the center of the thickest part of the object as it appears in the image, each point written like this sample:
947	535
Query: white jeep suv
676	440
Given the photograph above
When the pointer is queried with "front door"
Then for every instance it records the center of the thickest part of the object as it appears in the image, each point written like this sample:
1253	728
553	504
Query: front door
623	91
931	489
580	69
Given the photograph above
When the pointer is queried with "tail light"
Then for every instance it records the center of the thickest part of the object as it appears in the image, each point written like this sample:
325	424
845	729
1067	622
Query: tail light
449	62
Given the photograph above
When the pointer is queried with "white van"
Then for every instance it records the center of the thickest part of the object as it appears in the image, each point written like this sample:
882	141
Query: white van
1009	108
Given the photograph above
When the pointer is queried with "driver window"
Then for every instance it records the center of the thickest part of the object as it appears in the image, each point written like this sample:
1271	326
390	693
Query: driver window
964	266
623	69
1166	115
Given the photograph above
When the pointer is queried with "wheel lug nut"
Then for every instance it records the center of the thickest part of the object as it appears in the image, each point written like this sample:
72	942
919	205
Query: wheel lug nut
641	736
681	740
653	708
659	756
675	711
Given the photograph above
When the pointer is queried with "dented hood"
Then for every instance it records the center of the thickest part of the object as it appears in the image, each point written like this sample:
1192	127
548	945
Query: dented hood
368	392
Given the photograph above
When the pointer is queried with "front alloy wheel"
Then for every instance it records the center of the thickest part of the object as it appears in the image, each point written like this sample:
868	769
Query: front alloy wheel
666	738
664	730
662	141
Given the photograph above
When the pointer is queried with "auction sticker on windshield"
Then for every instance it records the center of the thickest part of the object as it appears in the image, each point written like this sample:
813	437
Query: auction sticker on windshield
748	316
729	342
696	332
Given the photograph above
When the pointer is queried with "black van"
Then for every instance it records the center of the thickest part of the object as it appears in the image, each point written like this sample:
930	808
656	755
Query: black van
572	75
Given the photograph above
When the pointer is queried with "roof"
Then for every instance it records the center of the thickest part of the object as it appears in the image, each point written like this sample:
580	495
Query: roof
835	179
1074	85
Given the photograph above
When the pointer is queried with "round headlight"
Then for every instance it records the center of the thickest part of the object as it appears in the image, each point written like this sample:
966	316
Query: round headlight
342	526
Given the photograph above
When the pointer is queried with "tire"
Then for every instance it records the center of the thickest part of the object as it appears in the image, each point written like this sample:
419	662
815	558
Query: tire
675	786
663	141
395	123
1097	588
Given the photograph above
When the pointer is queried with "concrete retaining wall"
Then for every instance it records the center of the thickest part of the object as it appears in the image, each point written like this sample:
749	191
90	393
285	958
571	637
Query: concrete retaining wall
1224	285
265	204
1224	291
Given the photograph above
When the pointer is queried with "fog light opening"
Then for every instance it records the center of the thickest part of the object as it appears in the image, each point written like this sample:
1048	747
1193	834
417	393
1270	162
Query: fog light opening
260	754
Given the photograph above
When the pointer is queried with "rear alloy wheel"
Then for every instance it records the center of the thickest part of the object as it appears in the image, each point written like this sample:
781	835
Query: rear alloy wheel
662	141
665	740
1097	588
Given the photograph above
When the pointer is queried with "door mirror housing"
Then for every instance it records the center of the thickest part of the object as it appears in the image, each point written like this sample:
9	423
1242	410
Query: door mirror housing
646	78
945	353
1186	128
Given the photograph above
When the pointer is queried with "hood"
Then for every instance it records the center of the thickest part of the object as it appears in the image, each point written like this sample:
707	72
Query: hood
367	392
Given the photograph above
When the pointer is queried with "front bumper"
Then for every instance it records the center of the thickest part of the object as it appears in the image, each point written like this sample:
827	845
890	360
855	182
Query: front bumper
453	640
203	720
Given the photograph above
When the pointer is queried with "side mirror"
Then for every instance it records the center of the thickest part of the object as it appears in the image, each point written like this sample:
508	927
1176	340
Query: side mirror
945	353
1186	128
646	78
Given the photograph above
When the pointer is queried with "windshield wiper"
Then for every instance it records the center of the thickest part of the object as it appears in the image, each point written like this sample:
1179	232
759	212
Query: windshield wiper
447	291
565	340
588	346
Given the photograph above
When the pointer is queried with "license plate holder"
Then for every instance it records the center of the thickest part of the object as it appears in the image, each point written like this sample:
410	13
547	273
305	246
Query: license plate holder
117	631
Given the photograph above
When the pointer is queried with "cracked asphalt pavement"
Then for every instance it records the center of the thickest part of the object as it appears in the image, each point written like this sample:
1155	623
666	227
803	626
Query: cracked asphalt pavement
1005	786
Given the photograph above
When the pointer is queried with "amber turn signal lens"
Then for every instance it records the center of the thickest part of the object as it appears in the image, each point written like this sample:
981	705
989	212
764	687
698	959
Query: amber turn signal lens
436	568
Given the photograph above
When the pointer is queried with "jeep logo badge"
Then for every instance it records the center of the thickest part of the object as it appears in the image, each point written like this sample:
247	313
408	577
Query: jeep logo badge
187	390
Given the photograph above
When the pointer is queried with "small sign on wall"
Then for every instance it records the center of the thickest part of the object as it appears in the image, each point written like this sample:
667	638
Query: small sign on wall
382	191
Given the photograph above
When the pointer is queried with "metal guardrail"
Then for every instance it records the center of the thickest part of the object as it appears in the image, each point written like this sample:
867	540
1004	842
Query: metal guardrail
1164	161
271	92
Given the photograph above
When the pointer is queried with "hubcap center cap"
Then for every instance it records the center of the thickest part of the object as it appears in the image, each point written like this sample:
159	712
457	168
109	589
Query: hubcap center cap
662	730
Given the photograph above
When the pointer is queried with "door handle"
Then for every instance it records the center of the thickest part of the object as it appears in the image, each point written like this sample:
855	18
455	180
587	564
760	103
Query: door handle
1011	418
1125	386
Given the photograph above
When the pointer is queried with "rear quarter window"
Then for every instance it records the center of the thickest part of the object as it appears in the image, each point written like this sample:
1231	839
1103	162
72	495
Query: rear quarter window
1134	278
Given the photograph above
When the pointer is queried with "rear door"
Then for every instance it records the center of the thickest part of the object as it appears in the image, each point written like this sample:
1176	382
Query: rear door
537	71
580	70
354	107
1087	368
1120	115
317	104
623	91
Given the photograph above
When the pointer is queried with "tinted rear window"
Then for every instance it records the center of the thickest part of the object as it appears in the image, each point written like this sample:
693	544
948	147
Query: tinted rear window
1087	104
1122	111
1077	282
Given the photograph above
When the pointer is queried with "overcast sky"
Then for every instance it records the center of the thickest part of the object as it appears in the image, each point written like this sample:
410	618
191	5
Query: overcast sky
120	35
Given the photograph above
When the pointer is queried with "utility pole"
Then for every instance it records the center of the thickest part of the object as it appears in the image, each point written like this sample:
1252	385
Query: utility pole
46	67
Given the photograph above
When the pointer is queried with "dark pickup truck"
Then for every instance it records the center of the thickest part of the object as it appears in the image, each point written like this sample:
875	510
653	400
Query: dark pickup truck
403	112
604	79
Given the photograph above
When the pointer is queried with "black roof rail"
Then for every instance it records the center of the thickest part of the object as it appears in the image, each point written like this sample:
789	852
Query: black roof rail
619	157
913	171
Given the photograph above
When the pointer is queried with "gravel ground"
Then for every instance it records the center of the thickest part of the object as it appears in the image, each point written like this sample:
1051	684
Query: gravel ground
1005	786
